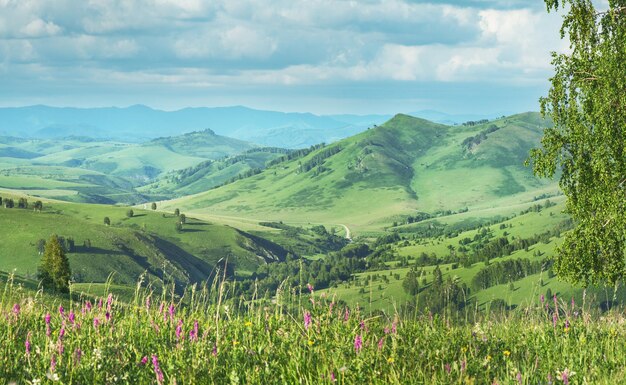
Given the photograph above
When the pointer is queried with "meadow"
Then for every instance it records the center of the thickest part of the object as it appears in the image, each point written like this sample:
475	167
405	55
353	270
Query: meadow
300	337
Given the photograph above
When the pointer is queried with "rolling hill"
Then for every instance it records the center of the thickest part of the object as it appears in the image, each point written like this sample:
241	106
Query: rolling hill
146	242
88	170
404	166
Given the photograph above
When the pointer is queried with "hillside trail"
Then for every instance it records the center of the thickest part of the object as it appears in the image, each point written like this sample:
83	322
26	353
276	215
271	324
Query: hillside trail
348	237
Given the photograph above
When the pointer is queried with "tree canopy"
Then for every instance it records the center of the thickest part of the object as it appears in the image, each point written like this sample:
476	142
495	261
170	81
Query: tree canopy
587	144
54	270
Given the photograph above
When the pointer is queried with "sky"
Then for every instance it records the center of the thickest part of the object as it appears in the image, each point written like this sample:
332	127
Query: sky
321	56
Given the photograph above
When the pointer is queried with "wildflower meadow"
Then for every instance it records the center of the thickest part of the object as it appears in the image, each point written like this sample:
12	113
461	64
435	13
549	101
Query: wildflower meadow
202	337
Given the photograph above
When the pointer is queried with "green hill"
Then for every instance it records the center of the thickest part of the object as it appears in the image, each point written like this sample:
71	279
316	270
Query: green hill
99	171
212	173
148	242
405	165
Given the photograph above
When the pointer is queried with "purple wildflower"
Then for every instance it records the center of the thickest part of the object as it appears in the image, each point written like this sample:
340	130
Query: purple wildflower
72	317
565	377
332	377
193	333
157	369
107	315
78	354
394	327
448	368
27	344
214	351
362	325
346	315
100	304
61	310
310	287
179	329
16	309
307	320
161	308
381	342
554	319
144	360
358	343
542	298
53	363
171	311
96	322
47	318
109	302
463	365
62	332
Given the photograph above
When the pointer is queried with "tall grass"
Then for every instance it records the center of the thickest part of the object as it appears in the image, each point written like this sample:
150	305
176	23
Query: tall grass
207	337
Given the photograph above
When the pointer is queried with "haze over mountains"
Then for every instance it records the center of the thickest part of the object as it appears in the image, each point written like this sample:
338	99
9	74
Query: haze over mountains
140	123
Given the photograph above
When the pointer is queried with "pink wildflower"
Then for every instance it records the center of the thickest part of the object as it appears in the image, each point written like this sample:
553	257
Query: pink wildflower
109	302
448	368
27	344
100	304
16	309
144	360
358	343
72	317
147	303
346	315
307	320
332	377
53	363
171	311
78	354
381	342
310	287
61	310
157	369
47	318
554	319
96	322
107	315
179	329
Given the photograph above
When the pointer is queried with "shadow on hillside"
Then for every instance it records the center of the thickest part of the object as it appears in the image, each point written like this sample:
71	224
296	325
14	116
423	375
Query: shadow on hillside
184	230
197	224
95	250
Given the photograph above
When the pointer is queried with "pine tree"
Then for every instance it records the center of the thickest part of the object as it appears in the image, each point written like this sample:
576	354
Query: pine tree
54	271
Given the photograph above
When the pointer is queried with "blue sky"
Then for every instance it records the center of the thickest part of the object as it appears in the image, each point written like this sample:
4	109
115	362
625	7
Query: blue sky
321	56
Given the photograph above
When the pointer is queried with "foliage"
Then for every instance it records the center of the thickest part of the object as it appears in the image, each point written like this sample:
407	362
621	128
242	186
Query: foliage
54	271
587	103
156	339
130	213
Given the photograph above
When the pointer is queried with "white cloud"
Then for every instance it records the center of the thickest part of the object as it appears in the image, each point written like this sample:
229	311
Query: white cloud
40	28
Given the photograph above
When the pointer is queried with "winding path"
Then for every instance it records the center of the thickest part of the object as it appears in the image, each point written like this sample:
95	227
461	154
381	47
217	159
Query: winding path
348	237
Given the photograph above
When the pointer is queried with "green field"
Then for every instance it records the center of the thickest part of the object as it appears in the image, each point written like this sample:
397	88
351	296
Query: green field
408	163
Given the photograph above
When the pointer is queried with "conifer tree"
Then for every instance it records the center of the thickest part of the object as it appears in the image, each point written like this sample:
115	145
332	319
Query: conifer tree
54	270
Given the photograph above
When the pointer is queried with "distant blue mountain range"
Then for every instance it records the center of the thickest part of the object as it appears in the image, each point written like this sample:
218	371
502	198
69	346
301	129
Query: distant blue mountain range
140	123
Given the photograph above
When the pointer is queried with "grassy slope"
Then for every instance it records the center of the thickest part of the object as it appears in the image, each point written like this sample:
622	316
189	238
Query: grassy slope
85	170
407	163
207	175
392	294
128	247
